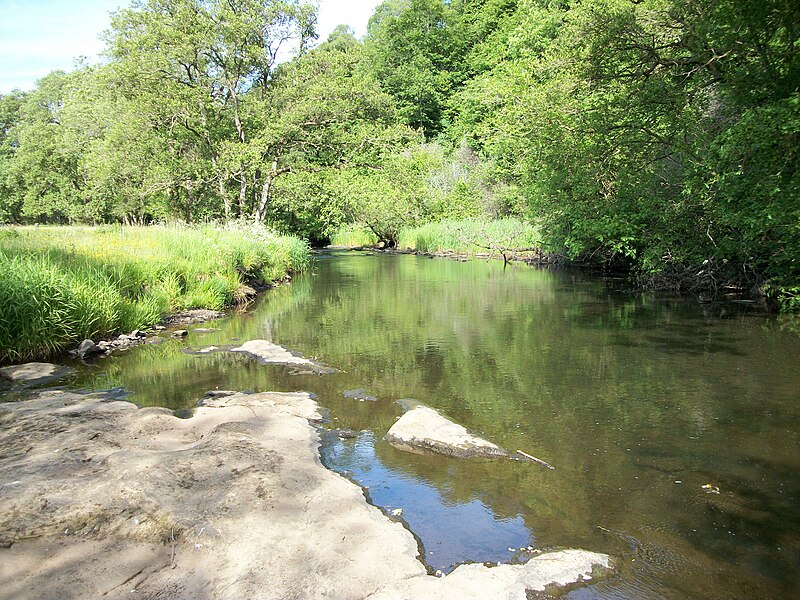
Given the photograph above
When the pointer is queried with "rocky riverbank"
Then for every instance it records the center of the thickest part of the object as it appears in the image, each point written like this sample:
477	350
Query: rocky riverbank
99	498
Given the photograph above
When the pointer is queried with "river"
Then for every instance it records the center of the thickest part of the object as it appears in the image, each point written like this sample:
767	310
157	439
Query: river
673	426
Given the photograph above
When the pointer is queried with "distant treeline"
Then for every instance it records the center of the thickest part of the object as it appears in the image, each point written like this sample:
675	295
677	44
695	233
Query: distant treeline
659	136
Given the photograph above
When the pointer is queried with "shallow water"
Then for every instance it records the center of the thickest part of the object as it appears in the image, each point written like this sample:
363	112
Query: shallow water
637	402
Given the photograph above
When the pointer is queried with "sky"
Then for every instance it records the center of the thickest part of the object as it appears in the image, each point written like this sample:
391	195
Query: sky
40	36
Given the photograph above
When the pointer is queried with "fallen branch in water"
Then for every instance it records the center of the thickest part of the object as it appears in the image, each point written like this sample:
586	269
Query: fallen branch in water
536	460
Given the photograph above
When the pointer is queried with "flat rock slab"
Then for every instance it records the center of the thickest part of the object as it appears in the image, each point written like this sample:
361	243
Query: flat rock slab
423	430
269	353
101	499
502	582
33	373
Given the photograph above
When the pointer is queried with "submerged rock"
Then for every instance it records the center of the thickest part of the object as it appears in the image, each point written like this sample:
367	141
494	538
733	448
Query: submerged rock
359	394
422	430
220	393
270	353
190	317
347	434
206	350
33	373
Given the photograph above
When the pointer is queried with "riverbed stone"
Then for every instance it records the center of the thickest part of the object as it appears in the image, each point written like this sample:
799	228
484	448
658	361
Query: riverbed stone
88	348
34	373
507	582
359	394
270	353
422	430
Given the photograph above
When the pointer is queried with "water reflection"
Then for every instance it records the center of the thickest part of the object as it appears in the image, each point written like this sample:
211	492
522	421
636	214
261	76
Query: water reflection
637	402
452	530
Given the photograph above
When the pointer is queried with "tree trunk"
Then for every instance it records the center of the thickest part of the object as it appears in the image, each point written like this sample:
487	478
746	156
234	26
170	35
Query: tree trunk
266	195
266	190
242	193
226	200
189	201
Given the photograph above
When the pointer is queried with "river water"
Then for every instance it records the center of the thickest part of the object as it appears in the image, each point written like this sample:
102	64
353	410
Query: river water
637	402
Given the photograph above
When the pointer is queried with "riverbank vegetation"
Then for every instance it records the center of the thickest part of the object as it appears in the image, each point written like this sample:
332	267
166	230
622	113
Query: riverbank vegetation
497	237
61	285
658	137
466	236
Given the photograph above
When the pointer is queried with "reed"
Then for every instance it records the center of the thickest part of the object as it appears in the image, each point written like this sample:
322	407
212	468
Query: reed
59	285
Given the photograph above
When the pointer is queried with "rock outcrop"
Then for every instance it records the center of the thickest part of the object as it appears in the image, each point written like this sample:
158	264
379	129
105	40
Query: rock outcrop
422	430
99	498
503	582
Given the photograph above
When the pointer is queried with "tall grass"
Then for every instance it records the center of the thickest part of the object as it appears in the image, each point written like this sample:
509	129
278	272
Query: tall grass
353	235
59	285
470	236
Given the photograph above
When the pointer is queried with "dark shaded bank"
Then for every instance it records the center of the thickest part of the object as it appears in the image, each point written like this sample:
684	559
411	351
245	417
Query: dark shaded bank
701	287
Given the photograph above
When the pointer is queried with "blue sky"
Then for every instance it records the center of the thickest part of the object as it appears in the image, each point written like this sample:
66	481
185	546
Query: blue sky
39	36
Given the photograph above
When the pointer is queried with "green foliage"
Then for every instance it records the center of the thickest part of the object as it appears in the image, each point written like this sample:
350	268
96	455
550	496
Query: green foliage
419	184
61	285
756	176
412	50
658	136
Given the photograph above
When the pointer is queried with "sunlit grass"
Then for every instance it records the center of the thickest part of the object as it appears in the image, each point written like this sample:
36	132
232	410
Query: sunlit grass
470	236
59	285
353	236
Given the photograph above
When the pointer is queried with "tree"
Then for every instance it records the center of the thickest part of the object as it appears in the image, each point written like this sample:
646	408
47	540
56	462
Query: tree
324	119
10	116
201	70
412	52
43	174
658	135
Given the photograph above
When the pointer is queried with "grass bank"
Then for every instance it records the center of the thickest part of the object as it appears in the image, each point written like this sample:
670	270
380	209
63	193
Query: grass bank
471	237
59	285
353	235
461	237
